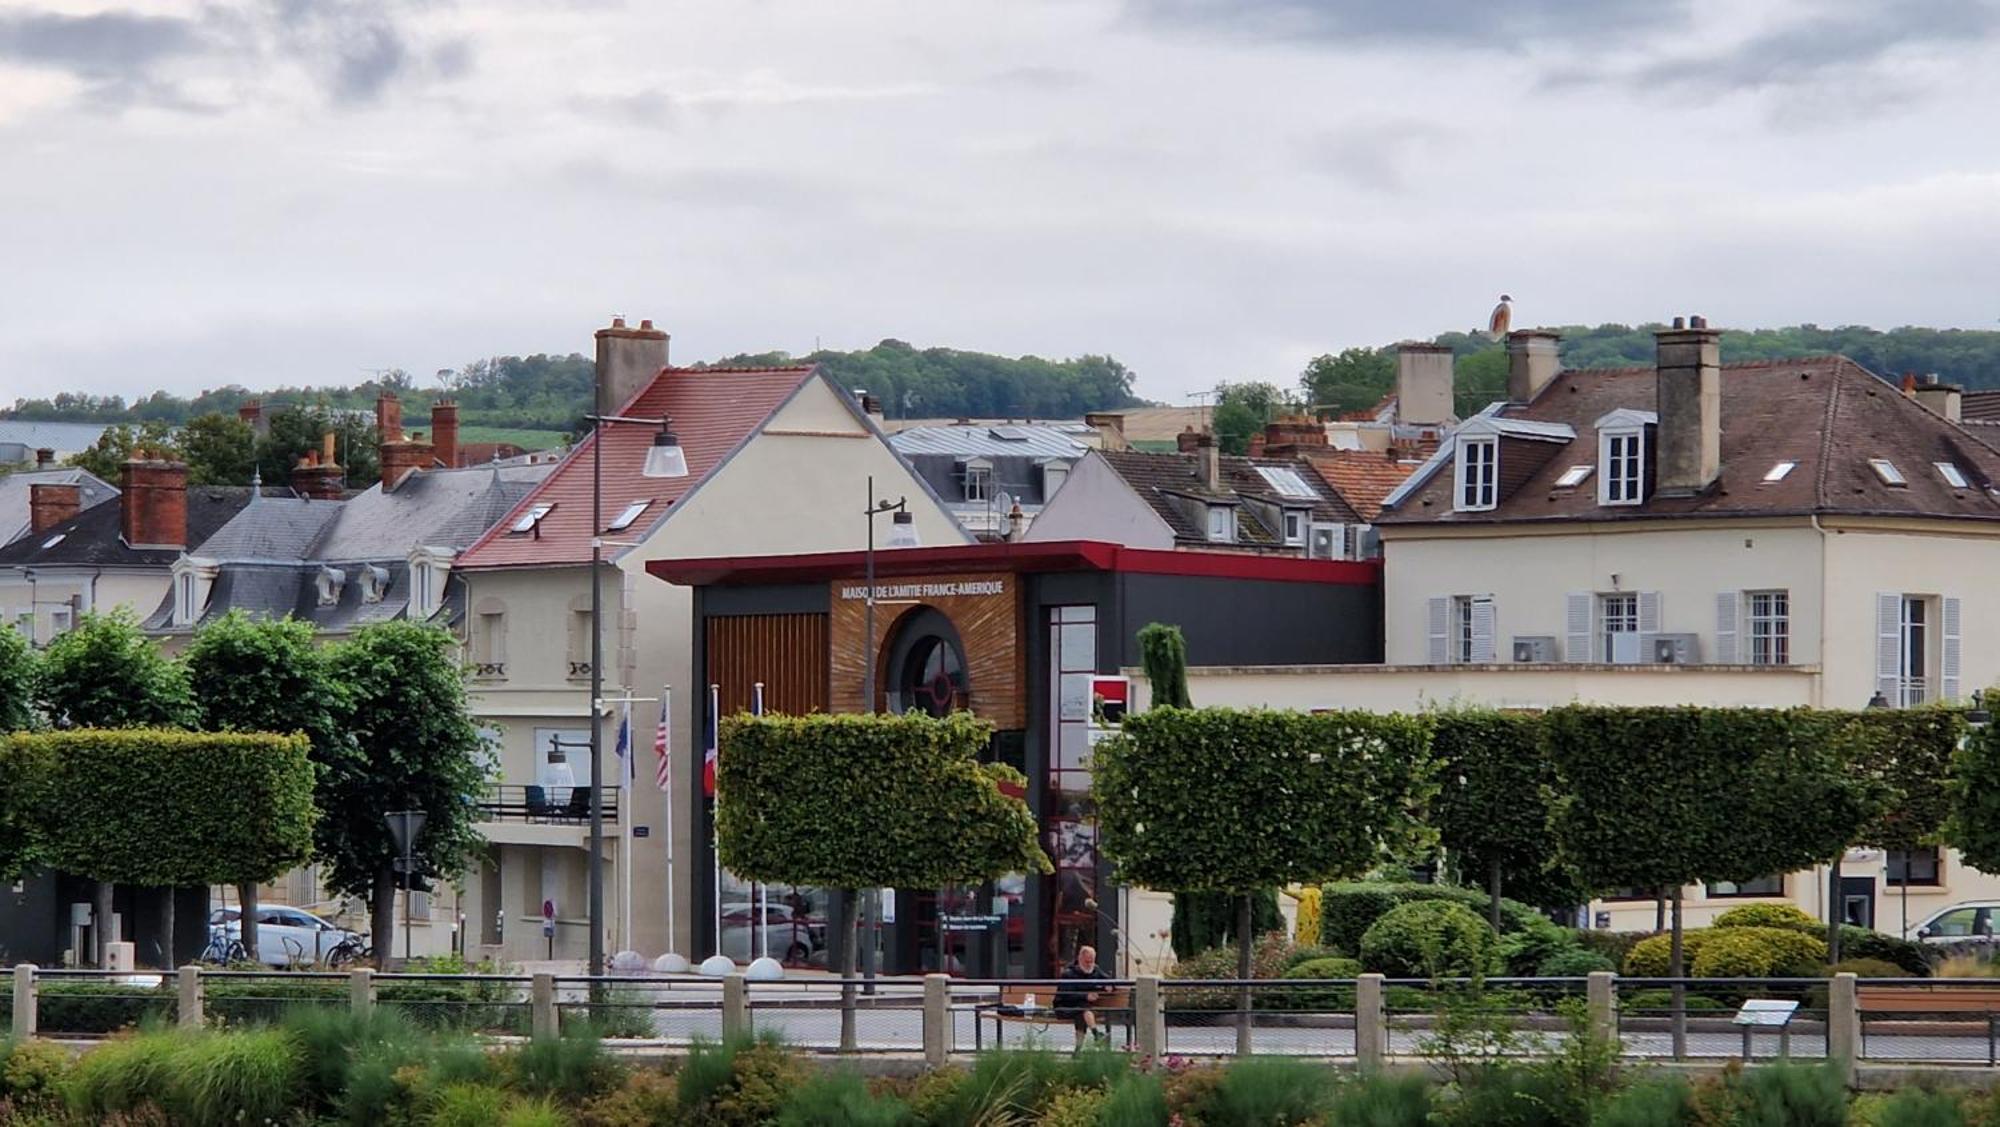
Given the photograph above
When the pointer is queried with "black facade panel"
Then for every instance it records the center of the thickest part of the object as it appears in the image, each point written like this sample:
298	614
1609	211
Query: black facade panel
1254	622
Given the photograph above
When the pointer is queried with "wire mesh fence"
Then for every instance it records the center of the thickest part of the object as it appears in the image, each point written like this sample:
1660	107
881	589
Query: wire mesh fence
1954	1020
888	1014
1713	1021
95	1004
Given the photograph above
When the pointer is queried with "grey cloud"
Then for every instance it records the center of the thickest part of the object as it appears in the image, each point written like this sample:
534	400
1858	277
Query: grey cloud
1458	23
356	46
105	45
1374	155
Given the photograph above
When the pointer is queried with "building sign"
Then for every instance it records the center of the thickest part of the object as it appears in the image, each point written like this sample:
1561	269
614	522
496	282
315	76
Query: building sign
970	923
977	588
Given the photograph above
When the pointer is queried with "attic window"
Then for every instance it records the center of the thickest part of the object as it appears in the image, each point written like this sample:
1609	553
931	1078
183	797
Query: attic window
631	513
1286	481
330	581
374	583
1478	476
1951	474
53	540
1573	476
1887	471
532	517
1777	473
1622	453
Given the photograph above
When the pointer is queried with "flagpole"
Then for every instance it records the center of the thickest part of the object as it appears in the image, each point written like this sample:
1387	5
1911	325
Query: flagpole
667	798
714	850
763	890
625	835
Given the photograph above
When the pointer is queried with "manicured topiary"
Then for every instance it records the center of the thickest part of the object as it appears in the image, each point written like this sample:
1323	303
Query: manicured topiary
1335	967
1866	943
1770	915
1430	939
1573	963
1760	952
1648	957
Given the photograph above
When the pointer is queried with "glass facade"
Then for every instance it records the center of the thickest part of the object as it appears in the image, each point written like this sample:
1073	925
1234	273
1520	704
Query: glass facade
1070	823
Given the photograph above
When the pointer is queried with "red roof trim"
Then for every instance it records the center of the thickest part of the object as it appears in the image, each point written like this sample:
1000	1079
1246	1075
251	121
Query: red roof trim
1065	555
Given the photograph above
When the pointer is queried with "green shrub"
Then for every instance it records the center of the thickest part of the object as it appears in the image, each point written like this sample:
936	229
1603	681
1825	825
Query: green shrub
124	1073
1867	943
1648	957
1072	1107
1190	1093
535	1113
1790	1095
1760	952
1613	945
72	1006
1660	1000
1867	968
1381	1101
739	1082
623	1012
1507	1096
329	1040
1915	1107
1310	952
646	1097
1789	916
838	1097
1530	942
226	1078
573	1067
466	1105
1139	1099
1347	910
1267	960
1650	1101
32	1071
373	1092
1574	963
1009	1085
1271	1090
1317	999
1429	939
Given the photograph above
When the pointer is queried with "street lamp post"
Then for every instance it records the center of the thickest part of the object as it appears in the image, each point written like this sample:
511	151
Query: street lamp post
902	534
664	459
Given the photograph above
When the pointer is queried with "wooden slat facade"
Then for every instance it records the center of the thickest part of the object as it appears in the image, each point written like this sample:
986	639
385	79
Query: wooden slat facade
788	652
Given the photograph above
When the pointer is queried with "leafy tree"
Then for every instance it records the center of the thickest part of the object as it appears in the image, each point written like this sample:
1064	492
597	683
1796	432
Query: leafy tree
17	681
24	770
220	450
1492	809
415	748
298	429
1206	920
252	675
1355	380
1242	409
172	809
1973	824
118	444
1163	651
868	801
1228	800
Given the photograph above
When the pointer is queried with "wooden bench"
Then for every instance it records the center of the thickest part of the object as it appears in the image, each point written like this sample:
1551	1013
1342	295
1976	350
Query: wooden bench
1113	1006
1925	1003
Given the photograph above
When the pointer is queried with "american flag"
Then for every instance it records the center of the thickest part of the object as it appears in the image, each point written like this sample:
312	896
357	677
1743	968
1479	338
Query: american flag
663	772
713	737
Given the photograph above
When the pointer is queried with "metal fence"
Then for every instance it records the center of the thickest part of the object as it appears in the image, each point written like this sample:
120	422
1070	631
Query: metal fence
1367	1019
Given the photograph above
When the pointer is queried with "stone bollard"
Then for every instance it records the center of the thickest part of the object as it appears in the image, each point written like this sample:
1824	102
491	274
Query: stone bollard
1149	1017
543	1023
1843	1026
1371	1031
361	989
937	1019
24	1000
735	1006
188	999
1601	998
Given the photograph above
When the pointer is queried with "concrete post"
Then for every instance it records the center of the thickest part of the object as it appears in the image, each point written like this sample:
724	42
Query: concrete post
736	1006
361	989
1843	1026
24	1000
188	1000
1601	997
937	1019
1371	1027
1149	1017
543	1022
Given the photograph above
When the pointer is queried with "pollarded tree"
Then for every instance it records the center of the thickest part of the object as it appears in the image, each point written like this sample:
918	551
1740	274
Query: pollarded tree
1906	753
1973	824
173	809
1492	807
23	802
1230	800
17	681
268	676
415	748
864	801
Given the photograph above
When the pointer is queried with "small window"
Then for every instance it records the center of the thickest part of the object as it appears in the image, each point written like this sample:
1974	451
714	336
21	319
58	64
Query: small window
1478	473
1573	477
631	513
533	517
53	540
1951	474
1770	623
1777	473
1762	886
1623	482
1887	471
1295	528
1286	481
1221	523
1915	867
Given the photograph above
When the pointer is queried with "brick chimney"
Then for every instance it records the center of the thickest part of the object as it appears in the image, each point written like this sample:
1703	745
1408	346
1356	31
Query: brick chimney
1207	462
399	458
1689	381
250	412
1532	362
1944	399
1110	428
45	458
628	360
444	433
1187	440
317	479
1423	384
50	505
153	503
1288	435
389	417
1257	445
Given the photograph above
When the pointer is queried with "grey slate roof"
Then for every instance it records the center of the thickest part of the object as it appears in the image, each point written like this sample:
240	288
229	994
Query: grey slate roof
95	536
438	508
1040	441
63	438
1018	476
272	529
16	490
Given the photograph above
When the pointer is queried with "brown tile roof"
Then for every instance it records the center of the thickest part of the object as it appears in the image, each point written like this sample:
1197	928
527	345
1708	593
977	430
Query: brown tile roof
1982	406
1364	478
1825	413
1160	478
714	410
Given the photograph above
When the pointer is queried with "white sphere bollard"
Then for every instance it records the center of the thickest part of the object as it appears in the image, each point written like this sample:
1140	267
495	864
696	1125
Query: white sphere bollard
671	963
717	966
766	969
628	962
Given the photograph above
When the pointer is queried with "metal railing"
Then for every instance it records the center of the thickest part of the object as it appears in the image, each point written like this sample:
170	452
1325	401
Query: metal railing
549	805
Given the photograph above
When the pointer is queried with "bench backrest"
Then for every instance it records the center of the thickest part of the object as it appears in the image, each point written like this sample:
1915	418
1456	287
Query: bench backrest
1111	998
1928	999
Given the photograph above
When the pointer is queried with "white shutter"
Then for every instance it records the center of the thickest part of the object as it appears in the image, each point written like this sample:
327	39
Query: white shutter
1888	643
1949	666
1482	628
1726	606
1577	646
1440	617
1649	623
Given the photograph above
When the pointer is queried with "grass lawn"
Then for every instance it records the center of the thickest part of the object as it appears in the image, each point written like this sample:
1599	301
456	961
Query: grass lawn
525	439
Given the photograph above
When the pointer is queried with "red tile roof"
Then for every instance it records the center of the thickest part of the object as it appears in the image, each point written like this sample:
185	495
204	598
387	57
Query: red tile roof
1364	478
714	411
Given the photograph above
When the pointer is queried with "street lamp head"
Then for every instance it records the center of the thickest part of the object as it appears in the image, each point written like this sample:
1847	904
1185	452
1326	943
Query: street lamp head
1978	715
665	458
1878	700
903	530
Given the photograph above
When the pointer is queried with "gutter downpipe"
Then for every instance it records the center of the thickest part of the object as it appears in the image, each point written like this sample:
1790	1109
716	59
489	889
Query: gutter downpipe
1827	874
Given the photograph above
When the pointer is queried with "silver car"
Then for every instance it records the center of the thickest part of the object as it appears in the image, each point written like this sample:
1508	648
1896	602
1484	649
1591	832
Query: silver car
287	937
1972	922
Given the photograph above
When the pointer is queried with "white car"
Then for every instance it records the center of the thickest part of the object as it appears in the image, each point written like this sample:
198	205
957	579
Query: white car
287	937
1970	922
788	939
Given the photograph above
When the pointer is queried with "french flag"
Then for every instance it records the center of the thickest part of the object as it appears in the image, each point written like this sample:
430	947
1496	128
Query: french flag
713	738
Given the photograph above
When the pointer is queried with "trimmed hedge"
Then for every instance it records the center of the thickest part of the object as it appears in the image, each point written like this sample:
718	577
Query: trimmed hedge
1760	952
85	1007
1348	908
1770	915
1327	999
1430	939
1574	963
1649	957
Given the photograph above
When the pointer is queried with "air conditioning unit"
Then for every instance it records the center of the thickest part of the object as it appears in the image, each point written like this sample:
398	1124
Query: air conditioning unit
1534	649
1325	541
1676	649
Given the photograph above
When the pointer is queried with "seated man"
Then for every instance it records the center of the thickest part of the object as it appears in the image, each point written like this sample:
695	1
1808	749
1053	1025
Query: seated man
1073	998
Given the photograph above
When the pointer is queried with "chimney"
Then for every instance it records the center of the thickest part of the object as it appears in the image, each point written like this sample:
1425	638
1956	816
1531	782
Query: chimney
1110	428
1689	381
871	405
251	412
444	432
153	503
45	458
1017	524
1187	440
1257	444
1205	458
389	417
1531	363
50	505
318	479
1944	399
1424	383
1287	435
628	360
399	458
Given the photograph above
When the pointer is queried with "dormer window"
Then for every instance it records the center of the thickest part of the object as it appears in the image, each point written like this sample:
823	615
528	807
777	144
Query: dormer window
191	580
1887	471
1952	475
330	581
184	605
1295	527
429	568
1222	523
1478	463
1053	475
1622	454
374	583
978	479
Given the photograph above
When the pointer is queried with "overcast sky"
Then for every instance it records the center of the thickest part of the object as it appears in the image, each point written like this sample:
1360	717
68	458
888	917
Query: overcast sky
197	193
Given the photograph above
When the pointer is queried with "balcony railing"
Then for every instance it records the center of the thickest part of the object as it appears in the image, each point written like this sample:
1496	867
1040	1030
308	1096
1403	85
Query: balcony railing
579	670
549	805
489	670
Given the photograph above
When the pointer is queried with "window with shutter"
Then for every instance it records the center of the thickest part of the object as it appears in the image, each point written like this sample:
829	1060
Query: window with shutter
1481	613
1725	628
1440	627
1948	660
1770	627
1576	643
1888	643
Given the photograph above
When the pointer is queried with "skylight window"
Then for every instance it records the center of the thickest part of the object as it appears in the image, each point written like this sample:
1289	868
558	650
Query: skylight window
1573	476
1286	481
1778	472
631	513
1951	474
53	540
1887	471
532	517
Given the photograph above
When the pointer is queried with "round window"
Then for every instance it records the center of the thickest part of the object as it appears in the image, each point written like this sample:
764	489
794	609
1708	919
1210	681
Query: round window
933	676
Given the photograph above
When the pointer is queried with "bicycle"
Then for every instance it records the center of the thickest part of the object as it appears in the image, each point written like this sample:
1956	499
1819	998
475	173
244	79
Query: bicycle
349	951
223	949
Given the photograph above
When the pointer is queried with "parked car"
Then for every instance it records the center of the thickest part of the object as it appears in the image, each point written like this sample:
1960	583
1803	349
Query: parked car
788	938
289	937
1970	922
